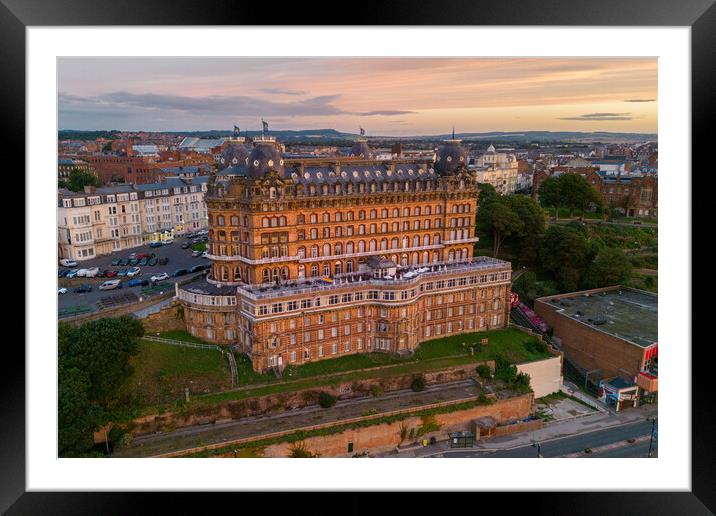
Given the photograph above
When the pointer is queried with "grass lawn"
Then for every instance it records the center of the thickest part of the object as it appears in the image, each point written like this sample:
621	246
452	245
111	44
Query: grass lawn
644	282
163	371
182	335
201	246
341	364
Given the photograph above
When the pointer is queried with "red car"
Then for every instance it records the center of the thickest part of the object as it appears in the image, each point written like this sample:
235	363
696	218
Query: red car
142	255
110	274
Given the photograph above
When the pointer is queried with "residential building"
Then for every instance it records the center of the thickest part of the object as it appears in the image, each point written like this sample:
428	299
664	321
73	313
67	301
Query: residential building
498	169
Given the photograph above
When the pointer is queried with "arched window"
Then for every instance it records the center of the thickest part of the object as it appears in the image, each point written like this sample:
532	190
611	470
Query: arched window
338	267
301	219
326	249
301	252
384	244
237	273
406	212
338	249
266	276
314	234
314	251
326	217
416	241
234	220
284	273
371	245
314	218
361	246
349	248
265	222
220	220
394	243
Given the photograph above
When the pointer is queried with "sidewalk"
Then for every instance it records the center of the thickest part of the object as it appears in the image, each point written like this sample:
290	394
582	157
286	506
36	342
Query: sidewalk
557	430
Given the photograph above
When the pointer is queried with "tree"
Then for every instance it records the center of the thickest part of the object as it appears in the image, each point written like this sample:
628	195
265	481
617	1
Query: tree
78	417
526	240
326	400
568	191
418	384
610	267
102	349
565	253
526	286
498	218
488	194
79	179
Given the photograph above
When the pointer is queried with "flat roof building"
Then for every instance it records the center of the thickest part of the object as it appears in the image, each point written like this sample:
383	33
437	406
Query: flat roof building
611	331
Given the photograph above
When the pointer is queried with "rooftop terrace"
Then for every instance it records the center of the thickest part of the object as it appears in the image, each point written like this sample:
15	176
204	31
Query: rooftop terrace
625	313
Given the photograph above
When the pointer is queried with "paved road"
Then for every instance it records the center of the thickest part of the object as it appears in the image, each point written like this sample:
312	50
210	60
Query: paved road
178	259
574	444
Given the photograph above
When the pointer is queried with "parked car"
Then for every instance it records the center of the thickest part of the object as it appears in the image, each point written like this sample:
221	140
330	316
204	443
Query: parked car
133	262
202	232
83	288
143	262
155	244
111	274
163	260
66	262
196	254
132	255
71	273
122	273
62	291
205	254
92	273
198	268
141	256
134	271
123	262
152	262
168	241
61	273
111	284
160	277
116	261
179	272
136	282
185	245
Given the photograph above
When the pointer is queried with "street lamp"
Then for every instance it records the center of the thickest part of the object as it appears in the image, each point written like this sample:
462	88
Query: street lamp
539	448
651	439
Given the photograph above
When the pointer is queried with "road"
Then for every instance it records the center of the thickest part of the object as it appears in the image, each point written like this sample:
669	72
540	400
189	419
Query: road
178	259
599	221
574	444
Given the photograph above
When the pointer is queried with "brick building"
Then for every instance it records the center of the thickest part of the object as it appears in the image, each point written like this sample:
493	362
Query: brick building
609	332
316	258
634	194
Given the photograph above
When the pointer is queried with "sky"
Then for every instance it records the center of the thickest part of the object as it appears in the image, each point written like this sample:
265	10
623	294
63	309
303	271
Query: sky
386	96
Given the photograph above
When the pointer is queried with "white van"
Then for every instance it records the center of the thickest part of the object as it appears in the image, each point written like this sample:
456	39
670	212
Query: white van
110	284
91	273
82	273
66	262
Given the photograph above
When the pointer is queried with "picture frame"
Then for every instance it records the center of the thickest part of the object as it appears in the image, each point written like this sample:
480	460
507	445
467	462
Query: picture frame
16	16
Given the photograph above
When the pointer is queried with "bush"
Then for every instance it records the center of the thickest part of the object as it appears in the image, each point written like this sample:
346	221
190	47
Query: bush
418	384
299	451
377	390
326	400
483	371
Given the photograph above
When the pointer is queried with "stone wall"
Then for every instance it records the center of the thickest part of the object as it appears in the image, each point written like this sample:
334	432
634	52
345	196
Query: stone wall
385	437
167	319
275	403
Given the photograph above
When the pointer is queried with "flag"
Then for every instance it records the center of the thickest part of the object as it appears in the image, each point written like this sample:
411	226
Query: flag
265	125
362	131
237	131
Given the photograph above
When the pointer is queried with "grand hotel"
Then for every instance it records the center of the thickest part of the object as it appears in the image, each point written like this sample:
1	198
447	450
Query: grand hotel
315	258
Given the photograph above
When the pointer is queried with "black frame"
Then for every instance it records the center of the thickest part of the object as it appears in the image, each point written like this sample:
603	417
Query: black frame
15	15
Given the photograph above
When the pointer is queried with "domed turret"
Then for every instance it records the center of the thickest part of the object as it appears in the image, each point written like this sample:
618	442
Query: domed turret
450	157
265	156
235	154
360	149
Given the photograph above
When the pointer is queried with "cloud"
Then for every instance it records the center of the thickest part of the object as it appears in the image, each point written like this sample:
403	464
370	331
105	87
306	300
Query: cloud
282	91
385	112
640	100
143	104
599	116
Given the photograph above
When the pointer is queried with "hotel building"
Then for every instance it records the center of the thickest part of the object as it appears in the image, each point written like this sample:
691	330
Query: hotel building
314	258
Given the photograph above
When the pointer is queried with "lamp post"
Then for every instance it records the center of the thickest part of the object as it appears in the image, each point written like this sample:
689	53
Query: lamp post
539	448
651	439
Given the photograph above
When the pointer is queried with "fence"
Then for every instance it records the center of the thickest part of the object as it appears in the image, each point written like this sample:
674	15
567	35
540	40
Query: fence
182	343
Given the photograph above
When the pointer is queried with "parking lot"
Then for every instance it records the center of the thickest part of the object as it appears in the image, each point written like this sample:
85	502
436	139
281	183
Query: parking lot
73	303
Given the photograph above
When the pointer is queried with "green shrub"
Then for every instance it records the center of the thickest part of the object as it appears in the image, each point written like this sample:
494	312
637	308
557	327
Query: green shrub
326	400
377	390
299	451
483	371
418	384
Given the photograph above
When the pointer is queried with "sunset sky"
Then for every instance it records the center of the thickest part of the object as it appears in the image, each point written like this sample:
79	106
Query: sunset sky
386	96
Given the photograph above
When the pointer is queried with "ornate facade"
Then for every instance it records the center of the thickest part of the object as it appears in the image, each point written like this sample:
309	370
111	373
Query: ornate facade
315	258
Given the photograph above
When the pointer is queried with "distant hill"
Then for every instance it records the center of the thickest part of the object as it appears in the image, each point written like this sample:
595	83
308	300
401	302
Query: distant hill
328	135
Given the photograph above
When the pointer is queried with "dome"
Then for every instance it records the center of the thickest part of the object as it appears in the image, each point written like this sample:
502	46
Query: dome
360	149
450	157
264	157
233	155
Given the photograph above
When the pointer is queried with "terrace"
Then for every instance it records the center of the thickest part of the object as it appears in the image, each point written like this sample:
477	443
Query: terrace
403	276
